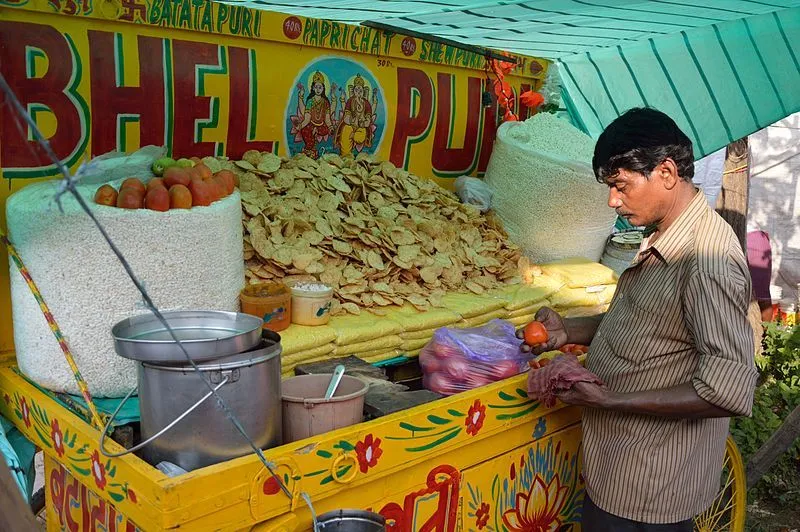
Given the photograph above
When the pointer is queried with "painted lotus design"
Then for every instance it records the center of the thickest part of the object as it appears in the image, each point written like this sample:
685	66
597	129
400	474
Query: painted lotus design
539	510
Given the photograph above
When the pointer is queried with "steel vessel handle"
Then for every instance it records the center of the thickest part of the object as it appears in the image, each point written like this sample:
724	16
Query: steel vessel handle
160	432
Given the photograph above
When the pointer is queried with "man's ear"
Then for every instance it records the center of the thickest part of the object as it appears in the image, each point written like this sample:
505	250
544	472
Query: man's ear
667	172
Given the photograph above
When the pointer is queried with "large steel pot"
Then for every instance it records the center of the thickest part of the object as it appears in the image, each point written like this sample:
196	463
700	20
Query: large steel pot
182	423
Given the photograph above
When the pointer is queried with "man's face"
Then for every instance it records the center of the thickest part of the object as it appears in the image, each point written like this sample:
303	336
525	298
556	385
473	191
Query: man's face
640	200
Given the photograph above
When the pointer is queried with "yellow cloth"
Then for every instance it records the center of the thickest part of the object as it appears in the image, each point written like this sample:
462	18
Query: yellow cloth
521	321
384	343
308	354
528	311
583	297
299	338
412	319
472	305
362	328
483	319
522	296
380	357
413	345
413	353
416	335
580	273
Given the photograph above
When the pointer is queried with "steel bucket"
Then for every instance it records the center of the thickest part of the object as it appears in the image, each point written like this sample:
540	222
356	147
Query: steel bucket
350	521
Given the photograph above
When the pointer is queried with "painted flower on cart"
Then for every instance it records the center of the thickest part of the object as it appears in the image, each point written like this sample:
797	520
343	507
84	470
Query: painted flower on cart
368	452
475	418
482	516
98	471
58	438
539	509
26	413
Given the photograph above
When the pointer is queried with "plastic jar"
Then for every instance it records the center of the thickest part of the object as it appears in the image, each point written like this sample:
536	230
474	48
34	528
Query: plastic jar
272	302
311	303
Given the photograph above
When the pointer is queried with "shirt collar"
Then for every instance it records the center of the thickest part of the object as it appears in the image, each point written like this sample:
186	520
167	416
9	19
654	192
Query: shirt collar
667	246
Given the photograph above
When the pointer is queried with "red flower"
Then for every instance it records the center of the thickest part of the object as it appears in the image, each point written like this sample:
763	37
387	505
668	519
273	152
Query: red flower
482	516
271	486
58	439
132	496
509	116
503	66
26	414
368	452
98	471
531	99
7	399
502	88
475	418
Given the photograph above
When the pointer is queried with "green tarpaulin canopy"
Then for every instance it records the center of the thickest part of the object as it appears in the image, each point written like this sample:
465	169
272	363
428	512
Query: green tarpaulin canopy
721	68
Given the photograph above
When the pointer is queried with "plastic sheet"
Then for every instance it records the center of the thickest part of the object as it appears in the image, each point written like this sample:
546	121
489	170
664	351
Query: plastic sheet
457	360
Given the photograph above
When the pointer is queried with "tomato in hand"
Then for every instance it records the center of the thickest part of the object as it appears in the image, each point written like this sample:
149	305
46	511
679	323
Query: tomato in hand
535	333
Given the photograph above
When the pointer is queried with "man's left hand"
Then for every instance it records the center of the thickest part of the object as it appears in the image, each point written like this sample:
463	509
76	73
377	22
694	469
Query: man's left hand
587	394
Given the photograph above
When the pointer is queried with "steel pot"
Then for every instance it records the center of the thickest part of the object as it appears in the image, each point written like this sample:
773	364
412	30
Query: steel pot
182	423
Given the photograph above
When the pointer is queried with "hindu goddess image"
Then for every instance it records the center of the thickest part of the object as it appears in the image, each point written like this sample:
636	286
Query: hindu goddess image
313	123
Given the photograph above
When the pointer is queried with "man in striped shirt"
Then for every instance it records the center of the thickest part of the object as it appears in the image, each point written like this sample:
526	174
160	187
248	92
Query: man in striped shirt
675	349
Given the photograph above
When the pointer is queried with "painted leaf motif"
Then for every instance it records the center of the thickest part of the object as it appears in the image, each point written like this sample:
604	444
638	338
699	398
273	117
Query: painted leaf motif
324	454
439	420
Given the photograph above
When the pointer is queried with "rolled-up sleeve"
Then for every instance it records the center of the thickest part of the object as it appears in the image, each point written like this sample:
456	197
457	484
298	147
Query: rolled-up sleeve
716	314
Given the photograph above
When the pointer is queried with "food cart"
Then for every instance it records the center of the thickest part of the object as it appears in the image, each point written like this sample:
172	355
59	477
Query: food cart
214	79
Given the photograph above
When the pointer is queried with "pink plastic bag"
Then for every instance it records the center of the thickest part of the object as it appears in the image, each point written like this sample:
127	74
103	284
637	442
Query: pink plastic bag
457	360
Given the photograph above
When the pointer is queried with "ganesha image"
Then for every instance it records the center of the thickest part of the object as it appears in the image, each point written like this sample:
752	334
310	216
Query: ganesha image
357	123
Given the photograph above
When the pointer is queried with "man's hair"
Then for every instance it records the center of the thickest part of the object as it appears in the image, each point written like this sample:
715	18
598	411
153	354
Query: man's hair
640	140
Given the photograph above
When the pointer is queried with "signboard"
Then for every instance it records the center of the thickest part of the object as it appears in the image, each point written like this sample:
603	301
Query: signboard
203	78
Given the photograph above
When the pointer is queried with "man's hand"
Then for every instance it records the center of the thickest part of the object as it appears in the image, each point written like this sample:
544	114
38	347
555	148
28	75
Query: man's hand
587	394
556	331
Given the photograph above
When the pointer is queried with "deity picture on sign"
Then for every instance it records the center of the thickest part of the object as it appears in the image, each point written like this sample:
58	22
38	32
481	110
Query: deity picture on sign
336	106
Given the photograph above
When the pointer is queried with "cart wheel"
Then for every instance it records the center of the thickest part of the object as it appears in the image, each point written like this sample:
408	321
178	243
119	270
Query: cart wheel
727	512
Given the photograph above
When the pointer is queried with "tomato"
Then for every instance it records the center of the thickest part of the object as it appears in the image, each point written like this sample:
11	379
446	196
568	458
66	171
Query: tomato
157	199
175	175
205	171
156	182
229	178
135	184
202	193
180	197
535	333
130	198
106	195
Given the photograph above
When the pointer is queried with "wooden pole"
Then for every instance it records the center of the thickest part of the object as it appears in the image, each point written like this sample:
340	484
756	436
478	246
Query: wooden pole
15	515
732	205
776	445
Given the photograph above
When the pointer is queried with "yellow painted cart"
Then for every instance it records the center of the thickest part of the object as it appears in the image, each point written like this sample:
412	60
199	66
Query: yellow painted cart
204	78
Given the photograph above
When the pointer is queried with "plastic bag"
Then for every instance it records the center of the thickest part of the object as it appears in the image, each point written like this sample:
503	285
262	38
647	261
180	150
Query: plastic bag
474	191
457	360
113	166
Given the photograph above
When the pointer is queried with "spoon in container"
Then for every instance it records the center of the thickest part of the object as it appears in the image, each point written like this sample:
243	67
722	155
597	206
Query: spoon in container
336	378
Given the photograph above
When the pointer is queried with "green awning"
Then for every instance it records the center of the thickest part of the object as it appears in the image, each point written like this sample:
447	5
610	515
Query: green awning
722	70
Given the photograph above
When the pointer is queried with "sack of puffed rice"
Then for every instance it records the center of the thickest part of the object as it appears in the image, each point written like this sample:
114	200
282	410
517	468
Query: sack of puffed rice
545	192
